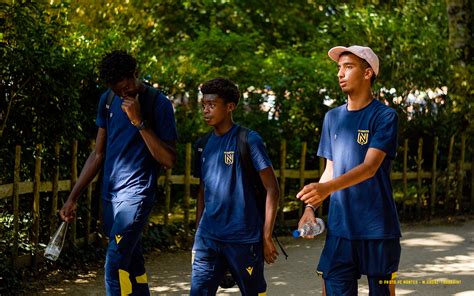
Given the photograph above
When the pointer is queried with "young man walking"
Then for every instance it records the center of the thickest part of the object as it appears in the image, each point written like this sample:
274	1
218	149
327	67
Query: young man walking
130	148
233	232
359	141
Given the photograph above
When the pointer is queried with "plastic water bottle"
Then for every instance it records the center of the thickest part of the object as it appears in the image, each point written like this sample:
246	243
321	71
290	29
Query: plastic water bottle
56	243
310	228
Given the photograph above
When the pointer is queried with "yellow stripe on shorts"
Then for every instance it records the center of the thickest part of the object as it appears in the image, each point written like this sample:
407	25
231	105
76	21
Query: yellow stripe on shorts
125	283
394	276
262	294
142	279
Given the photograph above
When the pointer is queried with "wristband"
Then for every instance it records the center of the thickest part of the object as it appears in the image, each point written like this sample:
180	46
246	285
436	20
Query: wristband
141	126
310	206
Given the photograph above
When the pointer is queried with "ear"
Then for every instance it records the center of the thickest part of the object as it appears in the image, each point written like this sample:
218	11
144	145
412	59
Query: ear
230	107
368	73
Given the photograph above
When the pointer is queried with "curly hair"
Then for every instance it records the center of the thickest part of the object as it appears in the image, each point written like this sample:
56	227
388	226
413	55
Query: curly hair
117	66
222	87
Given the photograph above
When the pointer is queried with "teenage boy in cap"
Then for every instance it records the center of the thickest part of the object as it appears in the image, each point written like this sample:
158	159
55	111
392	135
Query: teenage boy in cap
233	233
359	141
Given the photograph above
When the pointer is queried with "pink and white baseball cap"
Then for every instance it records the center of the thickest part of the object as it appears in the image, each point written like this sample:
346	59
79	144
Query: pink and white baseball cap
362	52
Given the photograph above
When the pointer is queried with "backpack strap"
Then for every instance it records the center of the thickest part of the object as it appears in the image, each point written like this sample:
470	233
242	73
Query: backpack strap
110	99
198	150
252	175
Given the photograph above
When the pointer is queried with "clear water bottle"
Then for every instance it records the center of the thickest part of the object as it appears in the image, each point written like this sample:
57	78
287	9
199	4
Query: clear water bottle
310	228
56	243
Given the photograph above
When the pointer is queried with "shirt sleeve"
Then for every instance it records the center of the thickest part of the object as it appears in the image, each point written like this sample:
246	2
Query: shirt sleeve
385	136
325	145
101	120
258	152
165	124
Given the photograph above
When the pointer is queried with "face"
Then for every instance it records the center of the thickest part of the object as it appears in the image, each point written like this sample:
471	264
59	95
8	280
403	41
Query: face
352	73
215	110
126	88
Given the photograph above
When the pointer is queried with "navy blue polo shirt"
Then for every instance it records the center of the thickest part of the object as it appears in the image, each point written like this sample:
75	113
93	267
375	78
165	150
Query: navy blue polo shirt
366	210
130	171
230	213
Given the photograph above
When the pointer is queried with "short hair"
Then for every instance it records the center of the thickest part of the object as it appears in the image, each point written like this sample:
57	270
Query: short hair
365	64
117	66
223	88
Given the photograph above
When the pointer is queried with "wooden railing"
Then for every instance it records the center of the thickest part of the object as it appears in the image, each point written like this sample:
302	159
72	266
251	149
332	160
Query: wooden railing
34	188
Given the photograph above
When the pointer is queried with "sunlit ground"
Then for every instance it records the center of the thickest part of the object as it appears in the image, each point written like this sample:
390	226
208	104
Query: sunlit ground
436	260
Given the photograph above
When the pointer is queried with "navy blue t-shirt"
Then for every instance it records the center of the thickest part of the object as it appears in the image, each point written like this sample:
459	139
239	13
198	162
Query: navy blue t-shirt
130	171
230	213
366	210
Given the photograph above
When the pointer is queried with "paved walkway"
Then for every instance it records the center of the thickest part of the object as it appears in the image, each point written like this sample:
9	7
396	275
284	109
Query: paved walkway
436	260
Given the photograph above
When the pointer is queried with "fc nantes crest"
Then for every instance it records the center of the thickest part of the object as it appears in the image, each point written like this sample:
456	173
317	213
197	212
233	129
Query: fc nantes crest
229	157
363	137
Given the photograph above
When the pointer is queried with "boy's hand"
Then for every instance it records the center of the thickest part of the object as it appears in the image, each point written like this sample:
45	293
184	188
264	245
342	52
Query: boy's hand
308	216
314	193
68	211
269	251
131	107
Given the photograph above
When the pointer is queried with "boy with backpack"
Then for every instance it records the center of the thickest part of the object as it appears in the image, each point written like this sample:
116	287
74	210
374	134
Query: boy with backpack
234	225
136	135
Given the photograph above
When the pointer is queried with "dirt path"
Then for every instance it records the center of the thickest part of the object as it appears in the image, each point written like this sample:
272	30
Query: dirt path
436	260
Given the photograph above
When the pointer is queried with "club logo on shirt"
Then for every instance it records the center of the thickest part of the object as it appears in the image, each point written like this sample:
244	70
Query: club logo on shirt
249	270
118	238
363	137
229	157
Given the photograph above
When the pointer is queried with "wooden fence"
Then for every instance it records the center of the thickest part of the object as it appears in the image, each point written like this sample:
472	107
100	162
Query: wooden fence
14	190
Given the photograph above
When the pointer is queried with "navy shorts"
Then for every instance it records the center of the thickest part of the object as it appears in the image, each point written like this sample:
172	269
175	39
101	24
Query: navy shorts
212	258
343	262
124	263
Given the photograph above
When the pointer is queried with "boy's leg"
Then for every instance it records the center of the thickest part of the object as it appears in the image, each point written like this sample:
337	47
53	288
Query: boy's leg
246	264
208	266
137	271
338	267
379	260
129	218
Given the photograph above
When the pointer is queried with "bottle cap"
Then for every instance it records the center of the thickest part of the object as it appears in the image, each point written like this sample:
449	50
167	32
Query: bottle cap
296	233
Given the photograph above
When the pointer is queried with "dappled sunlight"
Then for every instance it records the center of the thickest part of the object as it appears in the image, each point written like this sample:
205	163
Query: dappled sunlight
432	239
465	293
458	265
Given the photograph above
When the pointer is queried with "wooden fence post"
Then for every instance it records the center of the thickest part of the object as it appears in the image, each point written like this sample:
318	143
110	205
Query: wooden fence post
16	203
187	186
419	162
55	190
448	172
405	175
167	196
460	174
302	169
434	176
36	201
282	180
73	182
322	167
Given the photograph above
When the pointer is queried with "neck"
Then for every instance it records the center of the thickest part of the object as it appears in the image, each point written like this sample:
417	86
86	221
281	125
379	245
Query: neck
358	100
223	127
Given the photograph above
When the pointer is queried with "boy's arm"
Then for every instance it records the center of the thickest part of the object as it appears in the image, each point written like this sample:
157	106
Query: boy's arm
270	182
316	193
200	203
92	166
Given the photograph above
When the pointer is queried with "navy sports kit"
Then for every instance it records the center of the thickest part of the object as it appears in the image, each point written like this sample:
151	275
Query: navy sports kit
128	190
363	228
229	235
